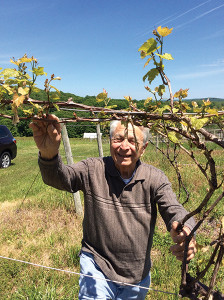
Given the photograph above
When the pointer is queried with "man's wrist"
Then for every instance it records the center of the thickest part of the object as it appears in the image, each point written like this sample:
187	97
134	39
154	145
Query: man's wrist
47	157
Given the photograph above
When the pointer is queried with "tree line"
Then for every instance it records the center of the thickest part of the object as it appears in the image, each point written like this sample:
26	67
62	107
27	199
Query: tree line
77	130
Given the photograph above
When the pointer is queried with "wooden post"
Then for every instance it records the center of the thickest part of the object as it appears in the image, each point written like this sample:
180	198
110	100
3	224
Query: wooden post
157	142
99	140
69	158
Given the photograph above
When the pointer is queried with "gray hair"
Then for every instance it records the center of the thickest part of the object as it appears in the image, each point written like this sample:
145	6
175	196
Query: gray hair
145	131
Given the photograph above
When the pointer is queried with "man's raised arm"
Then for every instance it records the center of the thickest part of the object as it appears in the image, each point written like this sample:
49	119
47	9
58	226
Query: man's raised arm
47	136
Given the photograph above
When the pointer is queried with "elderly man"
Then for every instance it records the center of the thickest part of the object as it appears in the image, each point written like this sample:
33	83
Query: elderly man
121	197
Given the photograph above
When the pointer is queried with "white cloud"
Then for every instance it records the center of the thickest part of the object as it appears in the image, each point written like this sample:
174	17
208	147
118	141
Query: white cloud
173	17
200	16
217	63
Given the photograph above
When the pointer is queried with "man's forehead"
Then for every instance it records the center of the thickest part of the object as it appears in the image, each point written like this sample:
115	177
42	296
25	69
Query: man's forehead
121	129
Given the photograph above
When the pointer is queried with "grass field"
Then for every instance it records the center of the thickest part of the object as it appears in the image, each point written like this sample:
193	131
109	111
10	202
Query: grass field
38	224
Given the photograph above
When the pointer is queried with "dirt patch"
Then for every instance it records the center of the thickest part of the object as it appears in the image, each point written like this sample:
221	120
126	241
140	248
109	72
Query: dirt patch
37	233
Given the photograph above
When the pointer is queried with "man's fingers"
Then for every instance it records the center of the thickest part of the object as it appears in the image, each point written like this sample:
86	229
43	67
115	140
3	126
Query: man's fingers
36	128
179	237
178	250
40	125
33	126
53	133
56	123
191	256
181	247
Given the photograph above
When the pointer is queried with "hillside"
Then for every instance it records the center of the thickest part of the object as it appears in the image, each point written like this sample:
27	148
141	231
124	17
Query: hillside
121	103
77	130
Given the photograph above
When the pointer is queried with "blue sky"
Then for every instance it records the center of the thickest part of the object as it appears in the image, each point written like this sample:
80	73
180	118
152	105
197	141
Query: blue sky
93	44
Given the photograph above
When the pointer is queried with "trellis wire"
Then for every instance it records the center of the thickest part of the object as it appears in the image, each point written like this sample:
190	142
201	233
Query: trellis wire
85	275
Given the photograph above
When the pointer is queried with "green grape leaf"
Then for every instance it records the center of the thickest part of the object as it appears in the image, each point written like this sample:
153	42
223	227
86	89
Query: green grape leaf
54	96
56	106
181	93
18	100
184	125
185	106
197	110
112	106
10	73
14	62
175	110
173	137
9	89
39	71
23	91
167	107
165	56
147	62
37	106
207	102
198	123
161	90
164	31
53	87
151	75
147	101
161	110
149	46
194	104
212	111
25	60
28	112
101	97
12	81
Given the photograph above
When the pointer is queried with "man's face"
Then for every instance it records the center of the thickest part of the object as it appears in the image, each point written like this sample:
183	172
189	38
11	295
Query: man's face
124	150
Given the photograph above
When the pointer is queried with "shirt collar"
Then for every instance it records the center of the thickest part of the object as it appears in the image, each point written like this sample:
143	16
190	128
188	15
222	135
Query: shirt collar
112	170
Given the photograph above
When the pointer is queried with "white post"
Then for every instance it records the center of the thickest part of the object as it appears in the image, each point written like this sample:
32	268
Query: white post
69	158
99	140
157	142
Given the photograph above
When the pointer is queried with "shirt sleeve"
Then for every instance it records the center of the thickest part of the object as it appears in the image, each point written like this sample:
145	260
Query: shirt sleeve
70	178
170	209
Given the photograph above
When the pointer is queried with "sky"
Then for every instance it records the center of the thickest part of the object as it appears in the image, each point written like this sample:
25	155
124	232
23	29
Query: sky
93	44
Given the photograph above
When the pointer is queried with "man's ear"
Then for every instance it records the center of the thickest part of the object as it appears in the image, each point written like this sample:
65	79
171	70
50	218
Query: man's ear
144	147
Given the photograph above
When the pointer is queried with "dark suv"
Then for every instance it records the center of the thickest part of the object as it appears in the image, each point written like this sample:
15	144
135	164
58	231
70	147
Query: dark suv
8	148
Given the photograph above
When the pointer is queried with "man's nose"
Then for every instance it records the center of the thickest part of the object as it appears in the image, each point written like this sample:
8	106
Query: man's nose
125	144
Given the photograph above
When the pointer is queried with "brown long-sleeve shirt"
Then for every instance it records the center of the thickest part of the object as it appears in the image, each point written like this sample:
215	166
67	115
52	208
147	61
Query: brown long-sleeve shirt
119	219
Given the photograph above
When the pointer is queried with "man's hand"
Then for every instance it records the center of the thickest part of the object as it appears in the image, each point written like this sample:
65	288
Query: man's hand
47	136
179	238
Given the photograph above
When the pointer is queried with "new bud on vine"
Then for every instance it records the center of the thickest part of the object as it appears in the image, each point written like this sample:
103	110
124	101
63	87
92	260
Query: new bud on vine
46	83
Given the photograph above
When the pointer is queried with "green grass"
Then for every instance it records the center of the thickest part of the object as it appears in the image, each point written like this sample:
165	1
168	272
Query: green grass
38	224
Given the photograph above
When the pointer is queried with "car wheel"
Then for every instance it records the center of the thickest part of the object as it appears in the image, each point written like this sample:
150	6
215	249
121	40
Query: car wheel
5	160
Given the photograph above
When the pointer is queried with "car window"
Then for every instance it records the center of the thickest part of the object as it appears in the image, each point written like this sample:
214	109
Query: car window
3	131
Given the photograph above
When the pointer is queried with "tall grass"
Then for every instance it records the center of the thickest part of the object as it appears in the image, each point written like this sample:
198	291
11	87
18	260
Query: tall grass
38	224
